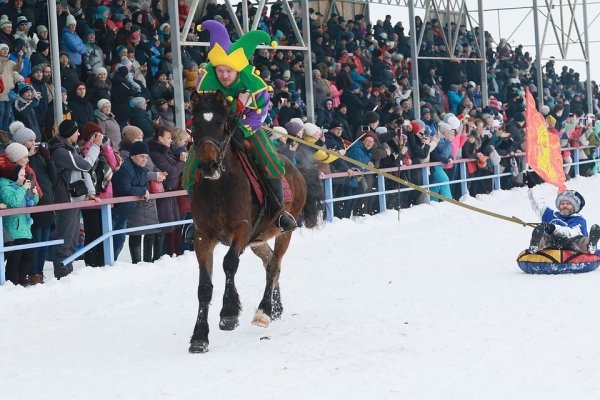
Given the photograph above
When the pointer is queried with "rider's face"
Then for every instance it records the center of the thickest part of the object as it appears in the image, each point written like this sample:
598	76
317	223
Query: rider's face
226	75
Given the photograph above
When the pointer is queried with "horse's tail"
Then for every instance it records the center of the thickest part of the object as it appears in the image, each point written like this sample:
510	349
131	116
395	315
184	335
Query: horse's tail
314	195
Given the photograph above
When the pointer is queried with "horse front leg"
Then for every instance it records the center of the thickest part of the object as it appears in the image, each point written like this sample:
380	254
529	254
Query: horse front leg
265	253
231	300
204	254
270	306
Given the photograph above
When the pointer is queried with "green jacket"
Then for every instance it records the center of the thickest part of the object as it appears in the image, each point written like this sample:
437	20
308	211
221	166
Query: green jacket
15	196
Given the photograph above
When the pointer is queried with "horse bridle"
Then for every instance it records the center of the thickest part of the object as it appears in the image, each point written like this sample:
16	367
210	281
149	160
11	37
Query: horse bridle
221	146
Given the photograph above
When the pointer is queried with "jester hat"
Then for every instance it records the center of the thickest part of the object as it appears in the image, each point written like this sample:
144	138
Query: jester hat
234	55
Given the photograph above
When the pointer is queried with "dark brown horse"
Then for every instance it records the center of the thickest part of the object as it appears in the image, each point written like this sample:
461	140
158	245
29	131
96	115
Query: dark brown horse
225	210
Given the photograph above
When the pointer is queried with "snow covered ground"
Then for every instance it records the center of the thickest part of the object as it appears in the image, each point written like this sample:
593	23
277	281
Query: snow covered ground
429	307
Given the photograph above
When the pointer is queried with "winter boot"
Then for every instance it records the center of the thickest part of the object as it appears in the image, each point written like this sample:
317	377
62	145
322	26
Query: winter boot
594	236
159	246
286	221
60	270
148	246
136	253
536	238
35	279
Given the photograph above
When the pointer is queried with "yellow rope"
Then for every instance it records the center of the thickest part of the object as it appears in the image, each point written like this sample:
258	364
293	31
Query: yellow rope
403	182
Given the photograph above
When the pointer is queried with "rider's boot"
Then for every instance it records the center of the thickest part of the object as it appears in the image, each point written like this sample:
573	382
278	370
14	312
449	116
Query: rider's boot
285	221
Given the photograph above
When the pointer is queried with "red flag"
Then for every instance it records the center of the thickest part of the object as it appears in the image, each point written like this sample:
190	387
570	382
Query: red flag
542	147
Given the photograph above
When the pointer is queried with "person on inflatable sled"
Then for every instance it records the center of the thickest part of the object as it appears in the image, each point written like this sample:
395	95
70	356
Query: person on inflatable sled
564	228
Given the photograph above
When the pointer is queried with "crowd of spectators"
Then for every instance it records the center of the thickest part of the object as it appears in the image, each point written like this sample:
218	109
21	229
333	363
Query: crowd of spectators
118	134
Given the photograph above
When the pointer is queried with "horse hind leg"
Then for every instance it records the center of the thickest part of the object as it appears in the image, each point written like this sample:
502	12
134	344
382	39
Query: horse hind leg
270	306
231	299
204	254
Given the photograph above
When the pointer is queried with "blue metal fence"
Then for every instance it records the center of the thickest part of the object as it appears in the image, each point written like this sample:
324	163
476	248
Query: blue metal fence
106	205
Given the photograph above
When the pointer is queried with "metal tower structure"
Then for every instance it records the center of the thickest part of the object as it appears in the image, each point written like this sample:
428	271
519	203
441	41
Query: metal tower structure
198	8
552	13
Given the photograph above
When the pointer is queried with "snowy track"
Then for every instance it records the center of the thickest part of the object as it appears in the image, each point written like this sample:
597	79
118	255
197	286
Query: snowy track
431	307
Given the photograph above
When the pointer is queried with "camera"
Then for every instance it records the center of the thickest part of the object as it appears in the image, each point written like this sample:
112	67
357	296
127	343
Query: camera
365	128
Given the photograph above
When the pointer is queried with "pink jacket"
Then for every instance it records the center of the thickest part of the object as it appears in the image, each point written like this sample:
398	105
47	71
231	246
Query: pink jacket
112	161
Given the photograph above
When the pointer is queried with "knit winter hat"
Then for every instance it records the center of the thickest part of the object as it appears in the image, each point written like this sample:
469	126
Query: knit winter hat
275	133
3	46
41	28
131	132
42	46
139	102
20	133
294	126
138	148
571	196
71	20
16	151
551	121
545	110
312	130
416	128
279	84
67	128
88	130
443	127
101	103
4	22
23	87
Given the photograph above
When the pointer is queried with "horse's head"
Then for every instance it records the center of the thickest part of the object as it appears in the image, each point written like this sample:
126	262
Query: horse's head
212	130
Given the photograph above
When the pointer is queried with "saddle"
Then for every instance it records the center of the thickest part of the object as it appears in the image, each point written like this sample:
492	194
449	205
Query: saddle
260	188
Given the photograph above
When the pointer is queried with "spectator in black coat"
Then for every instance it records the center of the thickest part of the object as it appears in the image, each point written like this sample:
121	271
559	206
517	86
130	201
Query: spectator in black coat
81	108
131	179
24	108
121	92
68	73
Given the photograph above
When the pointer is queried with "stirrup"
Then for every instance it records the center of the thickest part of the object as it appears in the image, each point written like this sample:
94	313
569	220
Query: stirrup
286	222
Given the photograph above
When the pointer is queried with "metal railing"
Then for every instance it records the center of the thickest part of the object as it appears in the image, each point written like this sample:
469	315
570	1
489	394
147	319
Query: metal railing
464	179
106	204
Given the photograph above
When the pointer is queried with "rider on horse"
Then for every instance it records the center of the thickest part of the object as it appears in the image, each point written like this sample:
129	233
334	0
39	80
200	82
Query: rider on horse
248	96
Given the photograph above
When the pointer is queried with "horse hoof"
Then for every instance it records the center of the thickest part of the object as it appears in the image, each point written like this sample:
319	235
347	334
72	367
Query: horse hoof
198	346
228	323
261	319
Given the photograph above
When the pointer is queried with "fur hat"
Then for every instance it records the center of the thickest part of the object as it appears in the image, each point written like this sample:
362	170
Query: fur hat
16	151
88	130
312	130
20	133
294	126
138	148
571	196
67	128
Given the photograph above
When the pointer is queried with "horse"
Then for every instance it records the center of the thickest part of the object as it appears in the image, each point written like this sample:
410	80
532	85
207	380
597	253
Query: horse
225	210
